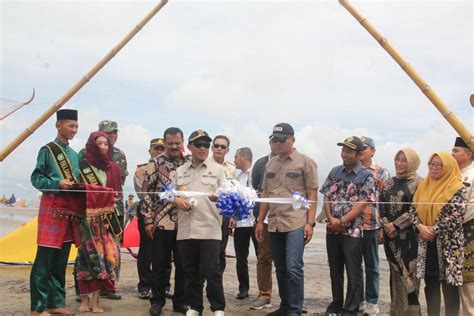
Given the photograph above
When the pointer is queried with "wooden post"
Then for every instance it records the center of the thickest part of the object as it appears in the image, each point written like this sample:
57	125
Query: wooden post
411	72
69	94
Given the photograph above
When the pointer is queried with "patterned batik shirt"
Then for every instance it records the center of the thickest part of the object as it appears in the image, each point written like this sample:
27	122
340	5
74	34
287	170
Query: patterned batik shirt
344	189
155	211
371	212
449	240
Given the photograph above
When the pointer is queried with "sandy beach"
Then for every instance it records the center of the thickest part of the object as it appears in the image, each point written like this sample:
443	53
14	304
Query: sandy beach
14	283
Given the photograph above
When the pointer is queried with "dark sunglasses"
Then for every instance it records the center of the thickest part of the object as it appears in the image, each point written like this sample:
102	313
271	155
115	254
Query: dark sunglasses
200	145
223	147
278	140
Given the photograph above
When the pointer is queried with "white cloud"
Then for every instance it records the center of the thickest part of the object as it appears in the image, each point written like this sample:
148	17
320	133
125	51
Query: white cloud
238	67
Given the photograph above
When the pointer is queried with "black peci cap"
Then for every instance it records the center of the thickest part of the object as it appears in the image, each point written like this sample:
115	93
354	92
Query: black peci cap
66	114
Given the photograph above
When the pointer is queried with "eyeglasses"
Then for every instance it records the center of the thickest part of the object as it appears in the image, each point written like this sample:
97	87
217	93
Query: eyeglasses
217	146
200	145
278	140
435	165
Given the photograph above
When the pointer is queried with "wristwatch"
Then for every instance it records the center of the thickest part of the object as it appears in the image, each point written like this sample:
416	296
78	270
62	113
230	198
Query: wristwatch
342	223
312	223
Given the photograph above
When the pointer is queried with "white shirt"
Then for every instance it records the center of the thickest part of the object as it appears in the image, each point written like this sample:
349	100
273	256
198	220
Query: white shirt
245	179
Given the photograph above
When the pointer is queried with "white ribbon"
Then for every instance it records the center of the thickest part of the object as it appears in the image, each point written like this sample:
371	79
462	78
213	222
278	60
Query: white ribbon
250	195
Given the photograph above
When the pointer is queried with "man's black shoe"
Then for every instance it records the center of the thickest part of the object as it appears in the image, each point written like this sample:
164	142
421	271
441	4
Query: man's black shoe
242	295
110	296
278	312
155	310
182	309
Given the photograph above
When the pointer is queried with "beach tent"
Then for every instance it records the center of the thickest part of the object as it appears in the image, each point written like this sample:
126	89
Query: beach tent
11	200
22	203
131	236
19	247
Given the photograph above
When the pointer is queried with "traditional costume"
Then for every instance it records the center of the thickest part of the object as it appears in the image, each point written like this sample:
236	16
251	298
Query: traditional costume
98	259
58	220
467	289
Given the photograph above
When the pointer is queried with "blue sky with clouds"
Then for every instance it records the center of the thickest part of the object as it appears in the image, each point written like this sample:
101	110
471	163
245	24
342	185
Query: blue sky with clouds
238	68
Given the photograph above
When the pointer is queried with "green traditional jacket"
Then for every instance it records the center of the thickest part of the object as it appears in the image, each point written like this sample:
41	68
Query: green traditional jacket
46	176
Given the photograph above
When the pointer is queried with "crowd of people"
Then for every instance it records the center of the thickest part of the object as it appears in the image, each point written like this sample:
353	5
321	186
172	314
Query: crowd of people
426	225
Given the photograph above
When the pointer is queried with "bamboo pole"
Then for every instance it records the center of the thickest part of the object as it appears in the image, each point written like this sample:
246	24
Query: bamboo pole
411	72
72	91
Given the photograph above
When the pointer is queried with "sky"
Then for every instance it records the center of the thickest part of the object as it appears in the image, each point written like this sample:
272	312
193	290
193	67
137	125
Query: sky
237	68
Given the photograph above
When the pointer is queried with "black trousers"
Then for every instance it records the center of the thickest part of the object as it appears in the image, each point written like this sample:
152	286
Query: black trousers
433	285
433	296
164	247
201	261
344	251
242	237
144	257
223	246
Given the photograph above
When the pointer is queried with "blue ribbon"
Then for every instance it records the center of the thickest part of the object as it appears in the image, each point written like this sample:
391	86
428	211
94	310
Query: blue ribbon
169	194
232	206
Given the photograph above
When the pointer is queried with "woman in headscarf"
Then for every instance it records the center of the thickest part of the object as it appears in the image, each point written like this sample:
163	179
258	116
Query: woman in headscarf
98	258
400	240
438	209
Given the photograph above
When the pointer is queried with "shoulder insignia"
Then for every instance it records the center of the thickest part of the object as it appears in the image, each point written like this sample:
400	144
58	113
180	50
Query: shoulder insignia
138	172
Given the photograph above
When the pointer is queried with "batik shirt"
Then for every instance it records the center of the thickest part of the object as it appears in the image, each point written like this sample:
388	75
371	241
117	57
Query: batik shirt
449	240
371	212
344	189
155	211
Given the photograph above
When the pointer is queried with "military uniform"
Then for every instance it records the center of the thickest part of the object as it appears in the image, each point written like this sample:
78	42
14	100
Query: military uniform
145	250
118	156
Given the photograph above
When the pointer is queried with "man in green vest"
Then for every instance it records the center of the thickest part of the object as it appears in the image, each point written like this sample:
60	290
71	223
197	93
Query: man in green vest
56	173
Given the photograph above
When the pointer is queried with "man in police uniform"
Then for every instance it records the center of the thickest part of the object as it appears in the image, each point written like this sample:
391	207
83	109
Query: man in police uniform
220	148
57	170
199	234
157	147
464	156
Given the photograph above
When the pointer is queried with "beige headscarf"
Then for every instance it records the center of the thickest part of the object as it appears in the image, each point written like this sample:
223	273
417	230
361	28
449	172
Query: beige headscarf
413	161
431	195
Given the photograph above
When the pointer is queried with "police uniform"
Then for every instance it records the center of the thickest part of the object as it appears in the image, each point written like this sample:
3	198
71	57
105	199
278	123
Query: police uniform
199	234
